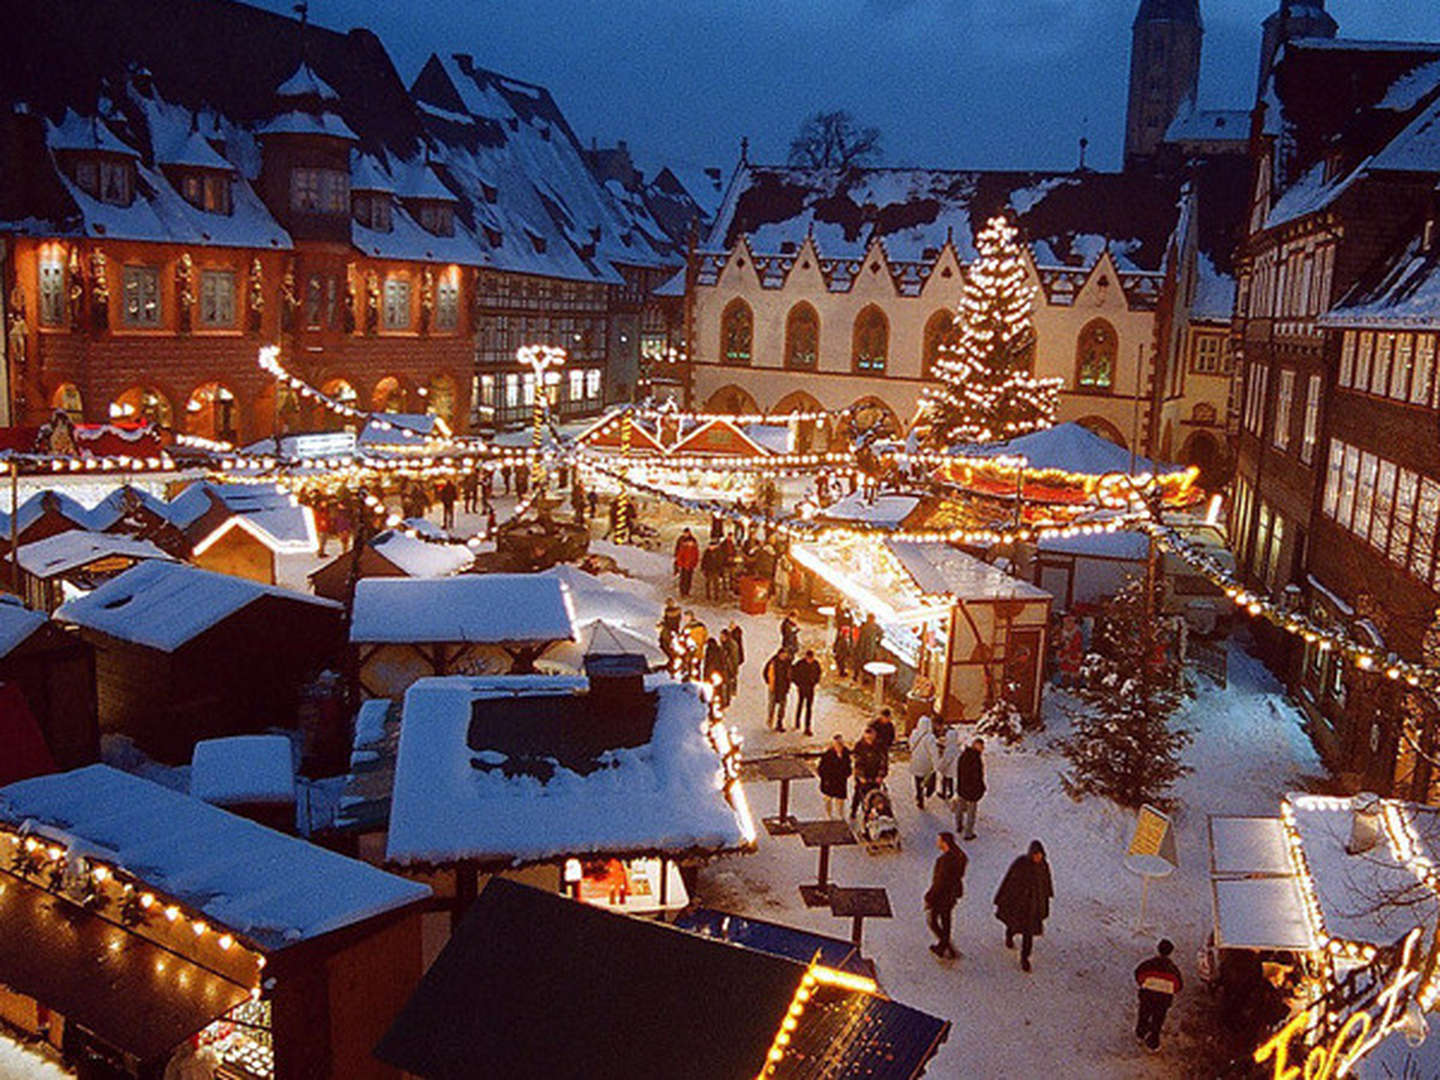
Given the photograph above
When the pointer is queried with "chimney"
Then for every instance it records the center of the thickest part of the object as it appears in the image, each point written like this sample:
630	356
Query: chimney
1364	823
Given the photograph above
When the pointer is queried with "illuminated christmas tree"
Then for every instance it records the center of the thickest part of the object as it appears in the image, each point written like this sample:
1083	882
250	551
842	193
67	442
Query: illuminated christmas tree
986	390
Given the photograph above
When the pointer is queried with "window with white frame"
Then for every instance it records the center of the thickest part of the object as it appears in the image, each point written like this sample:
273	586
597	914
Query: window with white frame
1258	377
577	385
52	292
512	390
1347	359
1311	433
1380	370
397	303
1333	469
141	296
1382	504
1402	367
1427	515
1365	494
447	304
217	298
115	182
527	383
1284	398
1349	483
1364	353
592	384
1406	489
1423	372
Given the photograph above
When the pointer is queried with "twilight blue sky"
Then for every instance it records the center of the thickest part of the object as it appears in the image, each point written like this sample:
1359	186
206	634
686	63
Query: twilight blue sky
959	83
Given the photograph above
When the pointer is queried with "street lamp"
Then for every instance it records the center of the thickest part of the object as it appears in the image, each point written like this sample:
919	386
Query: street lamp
540	359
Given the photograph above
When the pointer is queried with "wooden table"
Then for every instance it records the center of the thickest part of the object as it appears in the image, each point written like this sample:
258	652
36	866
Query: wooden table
824	835
859	905
783	769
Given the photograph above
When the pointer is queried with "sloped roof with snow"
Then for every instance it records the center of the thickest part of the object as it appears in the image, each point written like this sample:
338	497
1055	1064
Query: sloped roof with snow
455	799
1070	447
17	623
914	213
66	551
942	570
273	516
1209	125
482	609
422	558
1404	295
164	605
243	769
610	597
888	510
272	889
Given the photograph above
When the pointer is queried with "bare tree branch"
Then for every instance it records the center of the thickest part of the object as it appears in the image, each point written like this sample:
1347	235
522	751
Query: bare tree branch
833	140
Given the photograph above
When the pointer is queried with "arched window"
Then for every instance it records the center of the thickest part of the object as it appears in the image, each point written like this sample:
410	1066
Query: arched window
343	391
440	397
211	413
870	343
939	332
67	399
142	403
737	333
802	338
389	395
1095	356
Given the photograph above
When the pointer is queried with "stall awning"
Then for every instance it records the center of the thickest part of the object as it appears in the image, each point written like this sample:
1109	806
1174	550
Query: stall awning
1248	847
140	998
1261	913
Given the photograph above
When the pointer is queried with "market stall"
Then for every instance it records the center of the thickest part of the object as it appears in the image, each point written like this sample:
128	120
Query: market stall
140	922
977	633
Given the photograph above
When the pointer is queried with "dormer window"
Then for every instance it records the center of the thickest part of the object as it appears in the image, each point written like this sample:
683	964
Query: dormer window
107	179
373	211
493	236
207	191
437	218
319	191
489	191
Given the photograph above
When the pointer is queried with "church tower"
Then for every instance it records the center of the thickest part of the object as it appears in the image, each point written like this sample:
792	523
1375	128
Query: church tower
1302	19
1164	72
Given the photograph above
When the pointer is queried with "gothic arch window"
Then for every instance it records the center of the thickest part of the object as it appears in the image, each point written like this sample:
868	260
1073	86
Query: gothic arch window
870	342
939	332
1095	356
802	338
737	333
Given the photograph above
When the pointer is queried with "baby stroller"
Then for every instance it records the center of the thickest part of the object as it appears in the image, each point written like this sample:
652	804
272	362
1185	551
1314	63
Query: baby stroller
879	830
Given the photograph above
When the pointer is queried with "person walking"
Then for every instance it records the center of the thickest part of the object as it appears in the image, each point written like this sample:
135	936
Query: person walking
777	679
710	570
469	491
841	650
578	501
447	503
885	730
790	633
732	662
784	567
947	757
1158	981
669	626
1022	902
924	760
834	771
713	667
687	557
871	765
947	886
505	474
805	675
969	787
867	643
737	634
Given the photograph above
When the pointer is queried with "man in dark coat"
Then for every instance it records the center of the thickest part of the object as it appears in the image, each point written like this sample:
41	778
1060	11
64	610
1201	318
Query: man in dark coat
790	632
1159	981
710	568
805	675
947	885
1022	902
969	787
715	668
885	731
737	634
777	679
871	763
834	771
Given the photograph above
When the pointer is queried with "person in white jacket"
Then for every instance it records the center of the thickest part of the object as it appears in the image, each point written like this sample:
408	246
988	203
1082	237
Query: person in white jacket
924	760
947	746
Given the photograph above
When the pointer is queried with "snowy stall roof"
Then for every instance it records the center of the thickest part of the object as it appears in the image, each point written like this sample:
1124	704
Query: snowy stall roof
1121	545
482	609
34	508
243	769
886	510
111	509
776	438
601	638
272	516
422	558
1069	447
614	598
67	551
456	798
272	889
942	570
1358	894
402	429
165	605
17	623
1248	847
1261	913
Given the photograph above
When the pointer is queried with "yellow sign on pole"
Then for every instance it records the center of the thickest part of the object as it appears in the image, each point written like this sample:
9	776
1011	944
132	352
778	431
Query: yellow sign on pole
1154	837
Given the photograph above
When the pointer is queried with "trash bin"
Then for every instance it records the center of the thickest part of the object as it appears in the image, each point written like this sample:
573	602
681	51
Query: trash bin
754	595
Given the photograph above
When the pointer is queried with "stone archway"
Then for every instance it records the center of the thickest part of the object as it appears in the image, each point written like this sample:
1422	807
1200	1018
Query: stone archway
732	400
1105	429
212	413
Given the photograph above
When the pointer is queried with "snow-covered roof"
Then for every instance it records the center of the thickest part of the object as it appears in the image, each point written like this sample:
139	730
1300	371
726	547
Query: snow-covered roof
1073	448
1406	296
422	558
942	570
1248	847
1417	148
1209	125
66	551
34	508
1370	898
454	800
85	133
301	122
113	507
888	510
1120	544
615	599
164	605
1214	291
402	429
485	609
243	769
17	623
776	438
272	889
1261	913
368	174
272	516
303	82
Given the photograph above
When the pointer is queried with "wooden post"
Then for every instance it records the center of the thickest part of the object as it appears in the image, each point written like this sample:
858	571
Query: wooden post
14	526
465	891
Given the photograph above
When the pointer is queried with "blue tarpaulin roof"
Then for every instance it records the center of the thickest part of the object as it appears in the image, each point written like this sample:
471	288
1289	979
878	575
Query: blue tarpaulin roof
777	940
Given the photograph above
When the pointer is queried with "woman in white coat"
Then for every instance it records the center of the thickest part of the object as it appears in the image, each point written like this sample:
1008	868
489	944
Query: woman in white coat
947	747
924	760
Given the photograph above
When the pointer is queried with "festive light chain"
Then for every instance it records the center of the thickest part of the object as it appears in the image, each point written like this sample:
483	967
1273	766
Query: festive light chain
48	856
63	463
199	442
814	978
1335	641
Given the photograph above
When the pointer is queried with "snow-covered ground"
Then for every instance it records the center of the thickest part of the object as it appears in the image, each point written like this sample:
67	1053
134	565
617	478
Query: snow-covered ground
1075	1013
20	1062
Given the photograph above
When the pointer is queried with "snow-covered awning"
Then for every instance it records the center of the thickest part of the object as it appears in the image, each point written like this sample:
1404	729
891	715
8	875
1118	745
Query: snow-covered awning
1248	847
1261	913
481	609
243	769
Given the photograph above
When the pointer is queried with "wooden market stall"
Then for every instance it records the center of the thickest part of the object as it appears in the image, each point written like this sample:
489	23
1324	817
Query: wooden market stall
391	553
140	921
54	670
75	562
976	632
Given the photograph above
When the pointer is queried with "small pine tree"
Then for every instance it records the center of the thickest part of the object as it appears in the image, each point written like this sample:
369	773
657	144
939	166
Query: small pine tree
986	391
1123	745
1001	720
